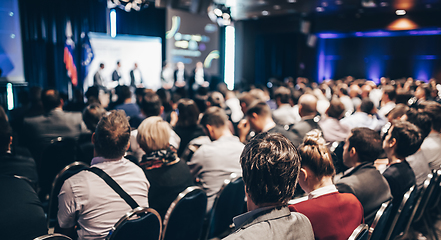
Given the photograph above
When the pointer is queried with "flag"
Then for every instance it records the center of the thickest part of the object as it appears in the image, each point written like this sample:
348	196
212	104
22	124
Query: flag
86	54
69	47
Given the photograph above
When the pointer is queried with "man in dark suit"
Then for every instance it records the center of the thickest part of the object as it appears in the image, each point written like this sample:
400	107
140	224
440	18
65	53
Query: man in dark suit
116	75
136	77
308	111
361	149
98	79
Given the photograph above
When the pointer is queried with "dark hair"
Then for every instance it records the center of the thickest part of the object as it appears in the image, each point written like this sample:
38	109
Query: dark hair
5	134
124	93
101	65
336	108
270	166
408	137
420	119
151	104
92	115
214	116
188	113
315	155
398	111
51	99
216	99
366	106
390	92
260	108
366	142
112	135
246	98
282	93
434	110
427	90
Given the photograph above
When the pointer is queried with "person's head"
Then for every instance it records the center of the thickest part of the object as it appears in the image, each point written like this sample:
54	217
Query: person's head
180	65
216	99
258	114
92	115
5	135
118	64
188	113
124	93
112	135
307	105
214	121
420	119
270	166
199	65
136	65
51	99
282	95
403	139
336	109
366	106
389	93
151	105
102	65
423	91
397	112
316	160
246	99
434	110
153	134
362	145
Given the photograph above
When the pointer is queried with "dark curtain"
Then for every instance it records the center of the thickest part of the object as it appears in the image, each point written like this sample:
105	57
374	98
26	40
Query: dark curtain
43	25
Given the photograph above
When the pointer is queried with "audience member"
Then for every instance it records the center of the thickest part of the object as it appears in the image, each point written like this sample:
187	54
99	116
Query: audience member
402	140
130	108
167	174
283	115
213	162
86	199
333	130
91	116
361	149
365	116
387	100
431	147
308	112
333	215
270	166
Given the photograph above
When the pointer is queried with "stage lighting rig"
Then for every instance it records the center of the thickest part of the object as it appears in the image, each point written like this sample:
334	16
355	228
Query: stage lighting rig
129	5
220	14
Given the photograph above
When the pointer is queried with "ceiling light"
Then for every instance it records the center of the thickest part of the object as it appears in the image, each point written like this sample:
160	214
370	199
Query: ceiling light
265	13
320	9
400	12
292	1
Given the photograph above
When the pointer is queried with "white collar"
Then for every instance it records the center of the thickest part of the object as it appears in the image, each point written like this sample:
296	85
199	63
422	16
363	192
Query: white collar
322	191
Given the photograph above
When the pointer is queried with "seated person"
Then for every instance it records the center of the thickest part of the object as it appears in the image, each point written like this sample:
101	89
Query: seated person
167	174
361	149
86	199
431	147
402	140
270	165
91	116
333	215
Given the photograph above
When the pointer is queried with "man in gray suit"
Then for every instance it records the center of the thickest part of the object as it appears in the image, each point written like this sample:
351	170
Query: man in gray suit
361	149
270	167
308	112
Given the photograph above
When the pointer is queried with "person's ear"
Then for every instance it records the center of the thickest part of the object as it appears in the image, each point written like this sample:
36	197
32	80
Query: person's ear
254	115
352	152
392	142
93	138
303	175
161	110
210	130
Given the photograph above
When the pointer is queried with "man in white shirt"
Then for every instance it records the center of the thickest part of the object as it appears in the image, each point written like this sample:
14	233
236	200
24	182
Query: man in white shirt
135	77
86	200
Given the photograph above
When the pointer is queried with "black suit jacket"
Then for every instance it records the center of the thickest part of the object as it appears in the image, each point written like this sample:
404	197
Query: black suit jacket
301	128
368	185
175	76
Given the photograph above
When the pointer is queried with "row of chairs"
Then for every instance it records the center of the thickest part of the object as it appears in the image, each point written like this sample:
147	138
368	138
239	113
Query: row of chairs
185	219
416	207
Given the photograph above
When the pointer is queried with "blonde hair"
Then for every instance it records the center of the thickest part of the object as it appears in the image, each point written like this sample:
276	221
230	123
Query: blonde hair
153	134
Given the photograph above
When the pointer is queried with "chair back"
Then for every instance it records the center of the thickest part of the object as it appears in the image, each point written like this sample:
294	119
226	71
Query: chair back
360	233
228	204
403	213
67	172
185	216
54	236
435	198
140	223
60	152
378	226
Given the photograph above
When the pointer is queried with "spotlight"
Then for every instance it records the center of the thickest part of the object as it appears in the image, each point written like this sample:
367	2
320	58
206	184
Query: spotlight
400	12
129	5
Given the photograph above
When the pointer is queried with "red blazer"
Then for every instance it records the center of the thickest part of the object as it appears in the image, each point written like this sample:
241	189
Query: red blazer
333	216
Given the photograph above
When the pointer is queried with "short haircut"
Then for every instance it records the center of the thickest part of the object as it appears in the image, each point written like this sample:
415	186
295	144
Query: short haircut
246	98
112	135
408	137
420	119
398	111
283	94
153	134
151	104
260	108
390	92
308	103
336	109
270	166
101	65
366	106
315	155
124	93
188	113
367	143
214	116
434	110
5	134
216	99
427	90
51	99
92	115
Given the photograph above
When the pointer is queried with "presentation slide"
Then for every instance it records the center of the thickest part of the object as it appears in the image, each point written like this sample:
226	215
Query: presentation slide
11	56
192	38
128	50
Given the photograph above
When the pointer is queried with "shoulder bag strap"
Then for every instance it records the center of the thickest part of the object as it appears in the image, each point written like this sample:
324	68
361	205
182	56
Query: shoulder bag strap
129	200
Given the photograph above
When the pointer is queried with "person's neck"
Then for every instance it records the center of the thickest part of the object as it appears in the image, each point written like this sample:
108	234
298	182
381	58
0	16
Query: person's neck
324	182
394	159
128	100
269	124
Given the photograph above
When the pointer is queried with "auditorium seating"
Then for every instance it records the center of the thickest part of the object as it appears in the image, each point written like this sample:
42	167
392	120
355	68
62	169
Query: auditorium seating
54	236
378	226
360	233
